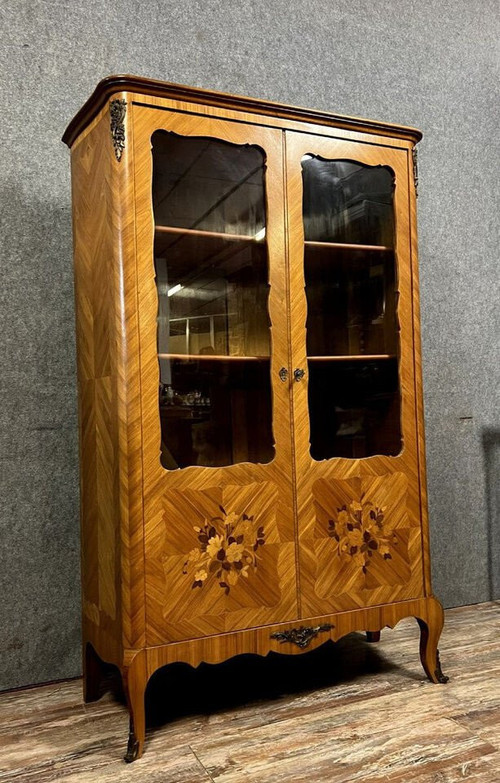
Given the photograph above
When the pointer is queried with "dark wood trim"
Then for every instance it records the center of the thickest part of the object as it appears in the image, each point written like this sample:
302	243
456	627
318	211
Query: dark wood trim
125	83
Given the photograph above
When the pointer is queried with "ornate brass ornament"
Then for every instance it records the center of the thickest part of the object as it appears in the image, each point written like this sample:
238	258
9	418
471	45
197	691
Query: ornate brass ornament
283	374
415	169
298	374
302	636
438	673
117	111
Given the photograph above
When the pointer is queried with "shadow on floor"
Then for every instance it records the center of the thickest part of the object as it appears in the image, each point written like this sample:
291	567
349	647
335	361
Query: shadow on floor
179	690
491	450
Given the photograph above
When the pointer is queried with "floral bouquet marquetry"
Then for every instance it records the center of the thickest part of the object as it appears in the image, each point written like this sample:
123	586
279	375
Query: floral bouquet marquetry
360	529
217	554
363	533
227	550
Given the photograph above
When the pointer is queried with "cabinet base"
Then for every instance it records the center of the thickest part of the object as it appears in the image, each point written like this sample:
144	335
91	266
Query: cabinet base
139	665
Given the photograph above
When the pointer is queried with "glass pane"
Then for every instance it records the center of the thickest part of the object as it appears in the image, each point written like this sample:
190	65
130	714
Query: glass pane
345	201
213	322
207	184
352	327
351	302
354	408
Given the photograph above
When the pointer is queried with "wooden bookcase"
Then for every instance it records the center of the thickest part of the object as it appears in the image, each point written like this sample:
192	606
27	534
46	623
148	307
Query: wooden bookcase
250	392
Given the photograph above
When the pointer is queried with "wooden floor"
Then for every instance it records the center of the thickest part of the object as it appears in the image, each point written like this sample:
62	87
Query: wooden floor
346	712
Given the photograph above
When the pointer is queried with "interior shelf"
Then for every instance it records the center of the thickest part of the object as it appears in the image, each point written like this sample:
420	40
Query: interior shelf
213	357
194	232
183	244
352	358
347	246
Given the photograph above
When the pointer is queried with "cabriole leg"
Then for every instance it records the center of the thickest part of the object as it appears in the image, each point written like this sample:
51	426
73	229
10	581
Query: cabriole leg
430	631
134	684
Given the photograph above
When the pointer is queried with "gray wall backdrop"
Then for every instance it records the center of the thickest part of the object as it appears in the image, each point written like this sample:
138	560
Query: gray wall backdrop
433	64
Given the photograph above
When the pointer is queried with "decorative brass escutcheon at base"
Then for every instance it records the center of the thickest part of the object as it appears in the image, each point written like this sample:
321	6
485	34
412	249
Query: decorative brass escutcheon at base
302	636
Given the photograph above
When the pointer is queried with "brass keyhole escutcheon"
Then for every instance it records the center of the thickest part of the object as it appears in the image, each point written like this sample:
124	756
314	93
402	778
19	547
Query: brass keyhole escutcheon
298	374
283	374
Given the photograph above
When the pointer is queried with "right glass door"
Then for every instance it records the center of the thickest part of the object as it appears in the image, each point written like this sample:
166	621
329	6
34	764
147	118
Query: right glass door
352	348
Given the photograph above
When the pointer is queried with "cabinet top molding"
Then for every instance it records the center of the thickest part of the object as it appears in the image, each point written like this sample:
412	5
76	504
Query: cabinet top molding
179	92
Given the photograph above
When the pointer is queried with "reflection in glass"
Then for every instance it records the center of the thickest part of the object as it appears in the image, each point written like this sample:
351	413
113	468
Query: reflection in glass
345	201
351	302
352	326
213	322
354	408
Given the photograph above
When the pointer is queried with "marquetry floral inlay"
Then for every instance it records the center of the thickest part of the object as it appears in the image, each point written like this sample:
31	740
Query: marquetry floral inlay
360	529
227	550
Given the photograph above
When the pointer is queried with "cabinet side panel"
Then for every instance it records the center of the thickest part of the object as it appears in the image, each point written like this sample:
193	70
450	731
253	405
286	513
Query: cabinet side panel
418	373
128	390
97	391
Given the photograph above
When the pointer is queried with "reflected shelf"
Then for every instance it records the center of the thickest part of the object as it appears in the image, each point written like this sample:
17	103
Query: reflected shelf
347	246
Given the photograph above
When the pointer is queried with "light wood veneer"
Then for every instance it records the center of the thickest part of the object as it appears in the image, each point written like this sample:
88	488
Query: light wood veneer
137	518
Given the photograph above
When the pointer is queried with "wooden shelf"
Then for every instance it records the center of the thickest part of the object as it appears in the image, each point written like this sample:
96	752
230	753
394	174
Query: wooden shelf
212	357
347	246
353	358
208	247
223	358
194	232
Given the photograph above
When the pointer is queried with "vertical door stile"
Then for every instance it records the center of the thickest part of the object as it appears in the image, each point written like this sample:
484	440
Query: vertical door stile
287	201
298	388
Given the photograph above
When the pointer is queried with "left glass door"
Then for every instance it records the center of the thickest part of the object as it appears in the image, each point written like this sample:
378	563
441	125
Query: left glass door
213	329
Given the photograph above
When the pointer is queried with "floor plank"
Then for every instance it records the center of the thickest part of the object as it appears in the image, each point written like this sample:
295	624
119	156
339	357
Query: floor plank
346	712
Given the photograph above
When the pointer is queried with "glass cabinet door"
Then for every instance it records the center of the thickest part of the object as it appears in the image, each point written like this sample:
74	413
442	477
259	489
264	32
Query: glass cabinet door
212	275
213	325
353	394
